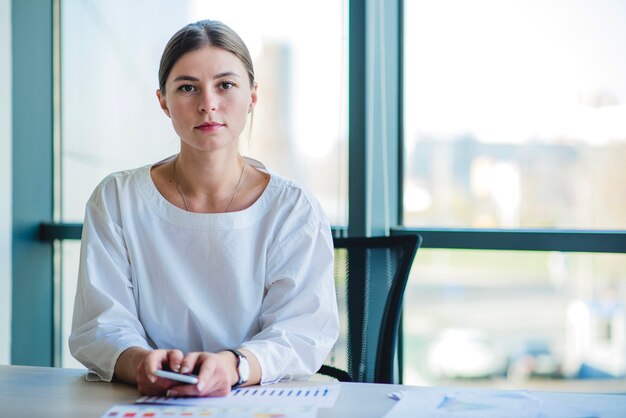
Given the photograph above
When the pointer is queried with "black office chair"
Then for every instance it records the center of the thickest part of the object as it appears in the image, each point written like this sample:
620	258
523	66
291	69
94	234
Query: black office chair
370	277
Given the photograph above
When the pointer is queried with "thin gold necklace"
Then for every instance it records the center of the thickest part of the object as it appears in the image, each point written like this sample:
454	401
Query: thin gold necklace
182	195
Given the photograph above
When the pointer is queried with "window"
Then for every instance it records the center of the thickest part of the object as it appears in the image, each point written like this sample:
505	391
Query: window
515	114
470	315
514	118
111	119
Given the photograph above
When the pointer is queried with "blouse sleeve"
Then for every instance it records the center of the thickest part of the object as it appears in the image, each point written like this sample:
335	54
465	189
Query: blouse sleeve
105	321
299	320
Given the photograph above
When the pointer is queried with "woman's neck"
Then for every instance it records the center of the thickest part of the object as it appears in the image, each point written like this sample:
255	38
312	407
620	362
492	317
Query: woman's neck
208	182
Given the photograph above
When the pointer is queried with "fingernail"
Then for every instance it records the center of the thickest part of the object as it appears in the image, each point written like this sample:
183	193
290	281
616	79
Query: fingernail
200	385
177	368
184	370
152	378
171	393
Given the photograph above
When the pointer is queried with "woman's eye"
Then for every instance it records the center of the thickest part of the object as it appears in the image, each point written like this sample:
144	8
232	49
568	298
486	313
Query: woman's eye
226	85
187	88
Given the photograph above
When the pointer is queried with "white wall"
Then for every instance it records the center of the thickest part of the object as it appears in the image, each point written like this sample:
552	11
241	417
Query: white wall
5	181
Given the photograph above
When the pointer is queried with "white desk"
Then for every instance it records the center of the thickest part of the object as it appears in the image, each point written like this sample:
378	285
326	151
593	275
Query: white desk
53	392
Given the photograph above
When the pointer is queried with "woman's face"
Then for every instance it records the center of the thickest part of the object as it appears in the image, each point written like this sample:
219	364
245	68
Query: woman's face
208	97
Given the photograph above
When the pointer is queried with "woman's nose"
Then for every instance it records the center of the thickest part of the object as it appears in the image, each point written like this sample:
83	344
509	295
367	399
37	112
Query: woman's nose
208	102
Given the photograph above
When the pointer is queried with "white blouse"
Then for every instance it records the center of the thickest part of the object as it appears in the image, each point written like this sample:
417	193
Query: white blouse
155	276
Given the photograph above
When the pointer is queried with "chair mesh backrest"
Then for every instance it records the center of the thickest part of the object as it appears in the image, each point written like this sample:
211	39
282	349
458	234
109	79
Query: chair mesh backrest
370	278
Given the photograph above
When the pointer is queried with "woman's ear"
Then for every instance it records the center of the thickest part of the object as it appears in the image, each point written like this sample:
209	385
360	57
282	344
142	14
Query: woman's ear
253	97
163	102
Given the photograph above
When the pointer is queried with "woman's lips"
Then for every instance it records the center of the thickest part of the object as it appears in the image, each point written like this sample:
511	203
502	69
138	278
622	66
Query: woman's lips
209	127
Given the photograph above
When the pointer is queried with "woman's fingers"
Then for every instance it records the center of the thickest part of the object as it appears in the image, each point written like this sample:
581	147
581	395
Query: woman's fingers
215	373
174	359
188	363
191	362
147	387
212	376
147	382
152	362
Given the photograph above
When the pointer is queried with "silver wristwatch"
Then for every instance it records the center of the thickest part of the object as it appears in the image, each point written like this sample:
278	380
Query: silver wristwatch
243	367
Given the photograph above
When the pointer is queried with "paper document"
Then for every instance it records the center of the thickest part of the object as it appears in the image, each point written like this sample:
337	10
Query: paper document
466	404
318	396
173	411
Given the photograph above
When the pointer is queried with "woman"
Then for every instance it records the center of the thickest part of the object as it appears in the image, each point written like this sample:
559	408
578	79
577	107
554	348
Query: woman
205	262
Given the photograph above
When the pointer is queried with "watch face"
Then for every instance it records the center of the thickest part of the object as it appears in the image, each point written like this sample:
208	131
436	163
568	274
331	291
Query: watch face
244	369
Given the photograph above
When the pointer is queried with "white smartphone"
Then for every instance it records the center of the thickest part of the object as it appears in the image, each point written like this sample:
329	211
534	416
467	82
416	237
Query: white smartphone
185	378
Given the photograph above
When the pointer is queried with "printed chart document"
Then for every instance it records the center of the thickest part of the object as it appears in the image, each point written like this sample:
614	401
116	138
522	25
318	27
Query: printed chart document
173	411
492	403
466	404
259	396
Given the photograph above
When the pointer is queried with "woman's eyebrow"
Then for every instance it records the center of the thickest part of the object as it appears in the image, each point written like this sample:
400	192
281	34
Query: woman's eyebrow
186	78
226	74
220	75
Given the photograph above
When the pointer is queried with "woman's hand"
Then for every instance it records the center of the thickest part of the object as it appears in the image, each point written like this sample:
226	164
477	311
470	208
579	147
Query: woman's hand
147	382
217	373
